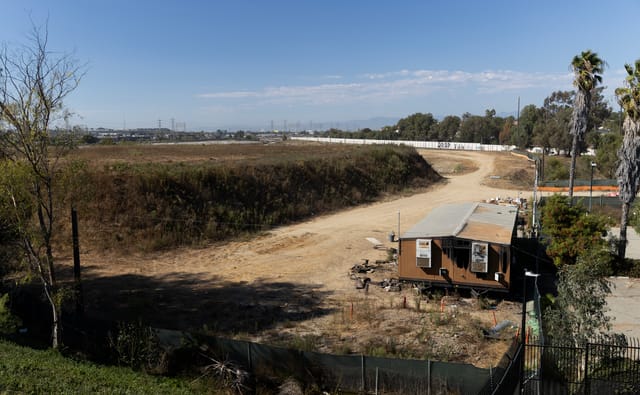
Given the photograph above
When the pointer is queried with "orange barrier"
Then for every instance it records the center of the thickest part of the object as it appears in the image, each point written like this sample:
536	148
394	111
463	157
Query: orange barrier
582	188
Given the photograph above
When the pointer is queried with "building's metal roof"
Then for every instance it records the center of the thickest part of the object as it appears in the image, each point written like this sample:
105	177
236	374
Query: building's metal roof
472	221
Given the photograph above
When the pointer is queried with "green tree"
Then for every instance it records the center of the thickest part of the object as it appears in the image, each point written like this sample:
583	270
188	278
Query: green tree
569	230
504	137
587	68
523	135
551	129
600	110
470	128
33	85
579	311
491	126
629	168
417	126
607	154
448	128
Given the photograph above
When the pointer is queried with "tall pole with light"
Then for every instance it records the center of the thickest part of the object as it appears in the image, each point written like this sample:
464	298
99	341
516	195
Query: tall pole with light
593	166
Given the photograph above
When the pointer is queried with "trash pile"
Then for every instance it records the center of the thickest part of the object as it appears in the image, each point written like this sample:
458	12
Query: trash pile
359	272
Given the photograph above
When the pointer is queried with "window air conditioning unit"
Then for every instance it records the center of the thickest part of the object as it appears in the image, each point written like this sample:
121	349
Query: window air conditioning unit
423	253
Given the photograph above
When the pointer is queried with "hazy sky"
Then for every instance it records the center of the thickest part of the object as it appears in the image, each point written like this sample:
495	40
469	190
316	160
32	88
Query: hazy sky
234	63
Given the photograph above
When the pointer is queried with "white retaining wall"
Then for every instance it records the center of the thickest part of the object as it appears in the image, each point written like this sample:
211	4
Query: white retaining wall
416	144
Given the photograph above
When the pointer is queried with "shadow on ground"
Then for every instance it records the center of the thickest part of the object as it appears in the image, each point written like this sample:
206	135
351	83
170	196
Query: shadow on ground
184	301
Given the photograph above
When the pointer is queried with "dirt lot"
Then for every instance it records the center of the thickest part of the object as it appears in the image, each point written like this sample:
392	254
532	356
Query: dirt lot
291	286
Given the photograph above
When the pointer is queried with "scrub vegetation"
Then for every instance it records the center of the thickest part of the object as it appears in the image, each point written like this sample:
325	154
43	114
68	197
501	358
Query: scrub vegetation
147	205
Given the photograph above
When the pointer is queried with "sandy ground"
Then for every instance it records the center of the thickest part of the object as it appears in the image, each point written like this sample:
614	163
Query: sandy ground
302	264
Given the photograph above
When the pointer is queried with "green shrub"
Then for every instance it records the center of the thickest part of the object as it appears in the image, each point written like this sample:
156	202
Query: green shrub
8	322
556	170
136	345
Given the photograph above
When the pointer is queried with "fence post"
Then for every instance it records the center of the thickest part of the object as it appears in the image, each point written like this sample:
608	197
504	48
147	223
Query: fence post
428	377
364	386
491	377
586	369
249	361
376	381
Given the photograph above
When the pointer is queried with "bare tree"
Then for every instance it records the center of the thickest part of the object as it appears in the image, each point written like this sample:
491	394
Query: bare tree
33	85
629	166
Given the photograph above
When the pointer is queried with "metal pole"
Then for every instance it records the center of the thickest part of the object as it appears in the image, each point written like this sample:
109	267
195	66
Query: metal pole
364	384
523	329
376	381
591	185
534	220
428	377
587	389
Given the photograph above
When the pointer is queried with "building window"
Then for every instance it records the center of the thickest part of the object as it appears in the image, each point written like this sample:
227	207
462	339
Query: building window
479	257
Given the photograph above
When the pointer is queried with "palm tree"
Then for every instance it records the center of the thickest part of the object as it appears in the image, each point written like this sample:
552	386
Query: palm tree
629	166
587	68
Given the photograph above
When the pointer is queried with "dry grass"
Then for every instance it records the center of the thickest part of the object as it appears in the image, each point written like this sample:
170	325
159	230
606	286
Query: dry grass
448	162
384	328
511	172
208	153
404	325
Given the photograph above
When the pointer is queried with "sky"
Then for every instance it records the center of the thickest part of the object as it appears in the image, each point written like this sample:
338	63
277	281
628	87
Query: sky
222	64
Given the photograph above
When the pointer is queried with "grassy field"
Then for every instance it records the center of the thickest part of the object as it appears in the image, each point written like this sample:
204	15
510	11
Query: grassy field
28	371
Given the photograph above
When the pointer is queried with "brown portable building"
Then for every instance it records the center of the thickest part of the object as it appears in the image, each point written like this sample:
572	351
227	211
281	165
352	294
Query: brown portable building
466	245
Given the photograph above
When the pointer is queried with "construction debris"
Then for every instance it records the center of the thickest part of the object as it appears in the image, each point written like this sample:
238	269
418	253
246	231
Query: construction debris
494	332
359	271
377	244
391	285
362	283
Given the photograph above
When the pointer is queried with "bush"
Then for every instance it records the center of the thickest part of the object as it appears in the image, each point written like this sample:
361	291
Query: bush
8	322
556	170
569	230
136	345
